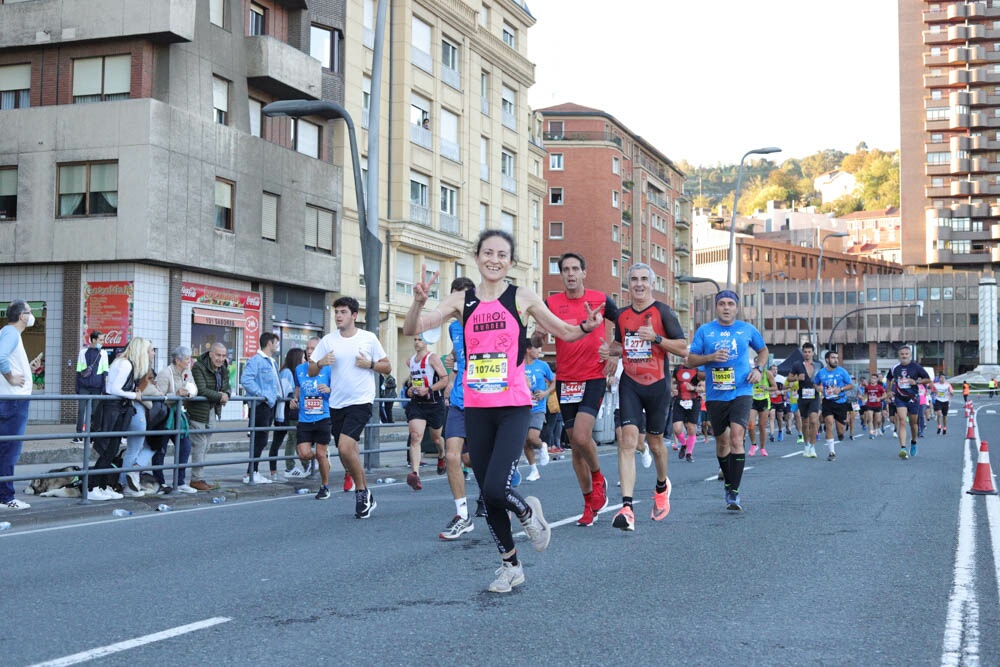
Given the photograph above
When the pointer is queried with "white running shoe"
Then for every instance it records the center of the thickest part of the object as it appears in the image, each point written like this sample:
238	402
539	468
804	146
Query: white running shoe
133	494
647	457
186	488
15	504
533	476
543	455
111	493
296	473
535	526
508	576
257	479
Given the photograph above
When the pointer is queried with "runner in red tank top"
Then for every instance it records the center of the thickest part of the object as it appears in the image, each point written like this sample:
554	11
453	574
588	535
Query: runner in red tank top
497	400
686	406
580	379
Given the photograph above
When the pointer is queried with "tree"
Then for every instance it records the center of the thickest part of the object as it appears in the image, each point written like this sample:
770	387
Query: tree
819	163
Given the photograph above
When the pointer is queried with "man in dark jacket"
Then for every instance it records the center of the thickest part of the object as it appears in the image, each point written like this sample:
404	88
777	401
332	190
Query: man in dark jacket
211	376
91	369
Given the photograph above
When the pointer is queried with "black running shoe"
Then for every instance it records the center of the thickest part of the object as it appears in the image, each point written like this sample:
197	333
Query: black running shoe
324	493
480	507
364	504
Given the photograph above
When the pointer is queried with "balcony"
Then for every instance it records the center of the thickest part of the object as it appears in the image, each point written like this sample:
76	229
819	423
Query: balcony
508	183
421	136
681	223
484	105
449	223
422	59
369	38
581	136
484	172
35	24
682	250
450	150
658	200
420	214
451	77
509	120
282	70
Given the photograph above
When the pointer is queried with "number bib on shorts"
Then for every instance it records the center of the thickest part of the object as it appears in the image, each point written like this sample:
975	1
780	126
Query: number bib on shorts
571	392
687	404
724	379
313	405
637	349
487	372
760	392
808	392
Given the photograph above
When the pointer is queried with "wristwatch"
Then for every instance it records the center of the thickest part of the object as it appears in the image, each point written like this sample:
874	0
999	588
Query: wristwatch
759	369
658	339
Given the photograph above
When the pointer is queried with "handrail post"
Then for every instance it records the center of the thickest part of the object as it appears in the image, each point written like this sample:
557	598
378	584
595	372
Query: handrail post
253	436
85	468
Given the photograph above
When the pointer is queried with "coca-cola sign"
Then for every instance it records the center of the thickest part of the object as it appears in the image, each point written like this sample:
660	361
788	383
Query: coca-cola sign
108	308
220	296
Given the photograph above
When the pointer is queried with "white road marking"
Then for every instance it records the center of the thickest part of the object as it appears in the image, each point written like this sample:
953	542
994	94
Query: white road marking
961	633
788	456
102	651
993	513
991	412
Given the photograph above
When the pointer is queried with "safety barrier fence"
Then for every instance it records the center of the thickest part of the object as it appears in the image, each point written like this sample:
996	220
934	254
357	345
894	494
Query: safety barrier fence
371	449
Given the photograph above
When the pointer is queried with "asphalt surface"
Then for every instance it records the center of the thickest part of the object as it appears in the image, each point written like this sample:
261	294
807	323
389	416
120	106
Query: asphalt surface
851	562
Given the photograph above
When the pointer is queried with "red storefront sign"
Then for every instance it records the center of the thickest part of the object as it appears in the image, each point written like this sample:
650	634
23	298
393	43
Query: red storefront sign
108	308
247	302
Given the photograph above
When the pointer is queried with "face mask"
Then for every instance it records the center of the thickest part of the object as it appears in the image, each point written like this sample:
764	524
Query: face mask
98	346
31	320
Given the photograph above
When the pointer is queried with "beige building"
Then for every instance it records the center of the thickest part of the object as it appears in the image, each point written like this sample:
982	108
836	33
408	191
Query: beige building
460	149
949	97
874	234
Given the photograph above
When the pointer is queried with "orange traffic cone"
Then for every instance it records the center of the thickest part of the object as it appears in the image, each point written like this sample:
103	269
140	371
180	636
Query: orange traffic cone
968	408
982	485
970	434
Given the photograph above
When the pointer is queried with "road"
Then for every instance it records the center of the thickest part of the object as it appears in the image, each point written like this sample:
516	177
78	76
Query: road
854	562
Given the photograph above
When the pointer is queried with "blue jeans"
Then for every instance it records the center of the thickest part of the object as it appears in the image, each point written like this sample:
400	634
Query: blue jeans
13	420
136	453
183	453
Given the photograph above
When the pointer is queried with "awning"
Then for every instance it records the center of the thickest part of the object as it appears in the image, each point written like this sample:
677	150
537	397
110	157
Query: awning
219	318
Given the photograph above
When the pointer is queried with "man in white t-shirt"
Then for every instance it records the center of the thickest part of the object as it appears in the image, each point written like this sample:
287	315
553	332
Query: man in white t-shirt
356	357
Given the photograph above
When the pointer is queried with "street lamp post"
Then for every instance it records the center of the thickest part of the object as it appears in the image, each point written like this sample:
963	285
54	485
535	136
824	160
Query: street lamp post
797	318
371	246
736	197
819	267
940	352
698	279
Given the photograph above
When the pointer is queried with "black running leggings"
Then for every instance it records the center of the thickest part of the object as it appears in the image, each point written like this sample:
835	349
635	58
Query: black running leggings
496	440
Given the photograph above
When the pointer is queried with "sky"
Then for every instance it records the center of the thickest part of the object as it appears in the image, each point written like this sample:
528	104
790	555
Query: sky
706	81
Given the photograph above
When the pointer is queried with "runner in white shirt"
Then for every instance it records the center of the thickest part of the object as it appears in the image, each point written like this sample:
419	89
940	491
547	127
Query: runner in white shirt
356	356
943	391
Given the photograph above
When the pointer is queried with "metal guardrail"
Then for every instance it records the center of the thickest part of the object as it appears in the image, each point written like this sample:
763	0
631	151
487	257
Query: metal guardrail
371	451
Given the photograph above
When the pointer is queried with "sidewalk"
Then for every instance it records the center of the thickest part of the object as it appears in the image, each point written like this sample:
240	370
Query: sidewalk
40	456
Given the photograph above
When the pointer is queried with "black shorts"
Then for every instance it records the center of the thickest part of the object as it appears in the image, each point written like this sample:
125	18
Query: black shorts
837	410
637	399
349	420
941	406
686	415
316	433
779	408
760	405
431	412
871	408
807	406
618	421
589	402
724	413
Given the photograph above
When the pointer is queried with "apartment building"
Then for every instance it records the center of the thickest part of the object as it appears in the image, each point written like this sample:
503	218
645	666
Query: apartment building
875	234
143	193
617	200
949	101
458	153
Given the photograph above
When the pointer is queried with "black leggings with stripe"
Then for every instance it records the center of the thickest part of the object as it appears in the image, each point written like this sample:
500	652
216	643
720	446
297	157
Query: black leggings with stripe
496	439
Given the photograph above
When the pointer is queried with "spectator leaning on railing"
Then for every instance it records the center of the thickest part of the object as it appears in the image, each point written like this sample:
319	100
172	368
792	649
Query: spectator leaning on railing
260	378
91	371
211	377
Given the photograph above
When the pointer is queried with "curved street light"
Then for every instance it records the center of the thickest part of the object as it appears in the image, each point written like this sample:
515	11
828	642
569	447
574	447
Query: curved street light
767	150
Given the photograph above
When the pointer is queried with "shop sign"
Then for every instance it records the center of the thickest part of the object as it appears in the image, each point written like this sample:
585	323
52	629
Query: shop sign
108	308
208	295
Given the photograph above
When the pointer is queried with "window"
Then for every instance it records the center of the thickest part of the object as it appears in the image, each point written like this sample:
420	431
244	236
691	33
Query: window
615	165
217	11
256	116
484	17
556	196
615	233
104	79
507	180
484	92
936	94
556	230
220	100
449	203
368	23
255	24
507	222
224	199
509	35
449	65
15	85
614	198
555	129
484	159
534	254
614	267
553	266
8	193
419	198
508	107
325	46
269	217
421	46
319	229
535	215
404	272
305	137
449	136
556	161
432	266
366	99
88	189
420	120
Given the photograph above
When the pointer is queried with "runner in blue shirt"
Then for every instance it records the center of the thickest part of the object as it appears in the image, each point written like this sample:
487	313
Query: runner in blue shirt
542	382
313	397
904	379
833	382
722	347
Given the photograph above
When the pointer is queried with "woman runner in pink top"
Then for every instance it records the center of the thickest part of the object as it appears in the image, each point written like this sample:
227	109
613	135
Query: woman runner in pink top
497	400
